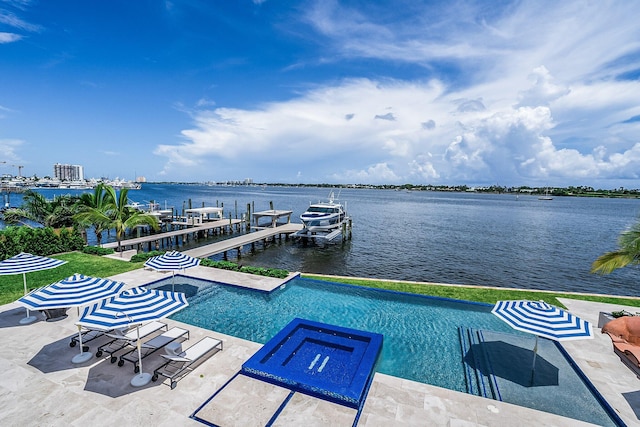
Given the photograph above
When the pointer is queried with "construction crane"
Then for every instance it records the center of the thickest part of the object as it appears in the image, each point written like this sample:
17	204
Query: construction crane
19	170
15	166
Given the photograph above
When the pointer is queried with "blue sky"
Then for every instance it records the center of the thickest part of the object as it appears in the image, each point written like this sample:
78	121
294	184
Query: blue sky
399	91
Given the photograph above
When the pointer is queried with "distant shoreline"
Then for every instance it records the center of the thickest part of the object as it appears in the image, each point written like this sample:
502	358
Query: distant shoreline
580	191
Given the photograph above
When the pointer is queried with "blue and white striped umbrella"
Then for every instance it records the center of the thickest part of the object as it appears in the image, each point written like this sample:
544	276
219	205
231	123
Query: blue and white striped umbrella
171	261
73	291
544	320
24	263
133	307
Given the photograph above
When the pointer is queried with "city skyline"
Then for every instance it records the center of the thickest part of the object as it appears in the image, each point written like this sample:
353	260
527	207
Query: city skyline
422	92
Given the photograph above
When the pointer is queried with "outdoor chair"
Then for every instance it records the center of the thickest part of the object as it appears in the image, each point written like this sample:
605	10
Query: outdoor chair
625	337
173	335
54	314
89	334
120	341
180	363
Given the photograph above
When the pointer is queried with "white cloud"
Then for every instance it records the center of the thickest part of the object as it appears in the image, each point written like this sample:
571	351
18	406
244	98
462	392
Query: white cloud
9	37
476	145
9	148
380	172
11	20
532	93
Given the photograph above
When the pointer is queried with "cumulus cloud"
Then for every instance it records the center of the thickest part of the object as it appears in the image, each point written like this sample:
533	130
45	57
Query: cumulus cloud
534	94
380	172
471	144
542	91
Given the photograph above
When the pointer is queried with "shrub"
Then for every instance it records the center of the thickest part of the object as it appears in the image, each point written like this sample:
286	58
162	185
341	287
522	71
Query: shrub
96	250
38	241
224	265
260	271
621	313
145	256
268	272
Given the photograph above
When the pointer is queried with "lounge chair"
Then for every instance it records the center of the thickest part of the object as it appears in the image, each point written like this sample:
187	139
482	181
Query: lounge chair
54	314
180	363
625	337
91	334
121	340
152	345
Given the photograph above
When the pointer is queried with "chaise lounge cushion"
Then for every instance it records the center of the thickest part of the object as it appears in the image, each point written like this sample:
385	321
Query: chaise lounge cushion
626	328
625	337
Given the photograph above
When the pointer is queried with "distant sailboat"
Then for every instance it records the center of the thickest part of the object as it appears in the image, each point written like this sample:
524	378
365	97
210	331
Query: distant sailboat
546	196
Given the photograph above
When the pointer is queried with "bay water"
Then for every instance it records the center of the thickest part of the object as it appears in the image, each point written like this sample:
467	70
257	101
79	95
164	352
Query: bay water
502	240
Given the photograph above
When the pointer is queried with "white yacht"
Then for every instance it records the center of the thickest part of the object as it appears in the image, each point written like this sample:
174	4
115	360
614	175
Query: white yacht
323	219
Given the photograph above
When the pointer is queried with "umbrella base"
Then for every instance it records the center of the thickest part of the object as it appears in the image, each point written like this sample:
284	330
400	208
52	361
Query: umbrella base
141	379
82	357
28	320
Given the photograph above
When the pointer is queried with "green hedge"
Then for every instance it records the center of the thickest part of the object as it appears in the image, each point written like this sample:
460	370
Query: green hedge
260	271
143	256
225	265
38	241
97	250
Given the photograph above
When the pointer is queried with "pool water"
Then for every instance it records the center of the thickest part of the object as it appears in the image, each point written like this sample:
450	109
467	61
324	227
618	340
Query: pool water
421	338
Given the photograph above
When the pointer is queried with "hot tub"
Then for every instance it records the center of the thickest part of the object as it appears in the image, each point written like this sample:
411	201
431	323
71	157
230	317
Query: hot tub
326	361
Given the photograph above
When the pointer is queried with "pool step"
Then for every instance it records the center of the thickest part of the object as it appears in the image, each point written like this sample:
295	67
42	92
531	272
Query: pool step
478	372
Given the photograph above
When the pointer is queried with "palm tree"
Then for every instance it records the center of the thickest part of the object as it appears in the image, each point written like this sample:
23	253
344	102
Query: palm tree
123	217
628	253
56	213
94	211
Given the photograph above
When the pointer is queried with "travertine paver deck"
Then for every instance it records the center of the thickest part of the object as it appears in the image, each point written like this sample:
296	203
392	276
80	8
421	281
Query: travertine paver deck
244	402
41	387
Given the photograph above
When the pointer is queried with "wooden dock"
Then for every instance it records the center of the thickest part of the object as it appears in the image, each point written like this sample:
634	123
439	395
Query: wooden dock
236	243
176	237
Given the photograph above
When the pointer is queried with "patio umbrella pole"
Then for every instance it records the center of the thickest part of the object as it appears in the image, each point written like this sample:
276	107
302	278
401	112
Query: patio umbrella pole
142	378
84	355
535	353
29	318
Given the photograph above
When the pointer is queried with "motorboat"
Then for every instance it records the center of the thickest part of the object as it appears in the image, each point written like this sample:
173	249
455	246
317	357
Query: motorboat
323	219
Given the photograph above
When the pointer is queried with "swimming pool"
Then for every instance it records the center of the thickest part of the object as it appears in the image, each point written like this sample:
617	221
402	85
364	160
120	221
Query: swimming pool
421	341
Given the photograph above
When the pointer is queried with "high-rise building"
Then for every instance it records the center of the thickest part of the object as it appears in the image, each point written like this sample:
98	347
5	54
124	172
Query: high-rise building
68	172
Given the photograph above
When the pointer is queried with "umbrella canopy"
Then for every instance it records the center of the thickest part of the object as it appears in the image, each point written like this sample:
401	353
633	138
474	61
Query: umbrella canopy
171	261
544	320
73	291
133	306
24	263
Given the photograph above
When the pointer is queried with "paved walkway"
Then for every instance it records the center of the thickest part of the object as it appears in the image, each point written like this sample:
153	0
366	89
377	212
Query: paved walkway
41	387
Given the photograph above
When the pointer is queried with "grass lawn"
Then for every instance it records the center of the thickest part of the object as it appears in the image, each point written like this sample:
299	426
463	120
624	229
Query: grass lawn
12	288
473	293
